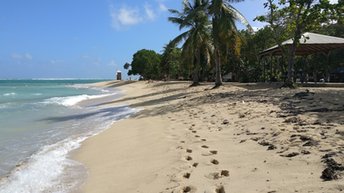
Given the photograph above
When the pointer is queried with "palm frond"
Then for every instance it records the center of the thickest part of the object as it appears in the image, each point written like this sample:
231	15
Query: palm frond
239	16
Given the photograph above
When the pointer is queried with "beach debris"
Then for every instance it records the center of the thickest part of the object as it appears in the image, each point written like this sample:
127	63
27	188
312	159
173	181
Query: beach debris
319	110
275	134
293	154
248	132
305	152
305	138
264	143
332	170
272	147
225	122
309	141
220	189
328	155
256	138
292	120
262	101
304	95
340	132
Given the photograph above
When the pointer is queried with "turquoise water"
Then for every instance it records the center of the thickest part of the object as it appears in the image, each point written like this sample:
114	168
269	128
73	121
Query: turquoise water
41	121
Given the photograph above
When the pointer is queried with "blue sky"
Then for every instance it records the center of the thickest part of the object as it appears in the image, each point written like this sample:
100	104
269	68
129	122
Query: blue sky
85	38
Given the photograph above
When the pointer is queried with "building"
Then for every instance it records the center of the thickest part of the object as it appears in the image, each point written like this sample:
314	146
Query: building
118	75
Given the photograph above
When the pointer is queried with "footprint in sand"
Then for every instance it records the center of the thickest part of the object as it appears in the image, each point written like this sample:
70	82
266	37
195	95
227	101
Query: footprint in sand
188	189
187	175
220	189
215	162
195	165
218	175
204	146
203	139
212	152
197	136
225	173
188	158
189	150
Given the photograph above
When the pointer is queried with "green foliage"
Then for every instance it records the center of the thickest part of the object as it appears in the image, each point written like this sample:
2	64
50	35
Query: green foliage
224	32
251	69
211	44
294	17
171	62
126	66
147	64
197	46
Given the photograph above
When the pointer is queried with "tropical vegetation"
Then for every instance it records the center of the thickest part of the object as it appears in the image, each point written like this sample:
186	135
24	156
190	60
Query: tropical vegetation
211	48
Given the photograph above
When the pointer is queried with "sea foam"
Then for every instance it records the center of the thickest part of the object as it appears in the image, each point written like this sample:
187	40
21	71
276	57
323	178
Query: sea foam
45	171
72	100
10	94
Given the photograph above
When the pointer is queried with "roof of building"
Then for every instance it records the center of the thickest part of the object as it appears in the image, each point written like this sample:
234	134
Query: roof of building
310	43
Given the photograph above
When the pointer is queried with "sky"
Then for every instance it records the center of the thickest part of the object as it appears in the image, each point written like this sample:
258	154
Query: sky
86	38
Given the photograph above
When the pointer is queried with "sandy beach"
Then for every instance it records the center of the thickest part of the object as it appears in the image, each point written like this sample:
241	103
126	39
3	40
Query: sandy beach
240	138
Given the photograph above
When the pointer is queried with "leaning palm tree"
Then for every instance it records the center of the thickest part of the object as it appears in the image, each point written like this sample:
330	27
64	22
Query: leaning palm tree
197	37
224	32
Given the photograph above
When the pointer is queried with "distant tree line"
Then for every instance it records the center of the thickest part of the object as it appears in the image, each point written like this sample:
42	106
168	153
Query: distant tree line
212	49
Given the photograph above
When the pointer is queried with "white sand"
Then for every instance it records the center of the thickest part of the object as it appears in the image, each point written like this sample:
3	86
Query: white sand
197	140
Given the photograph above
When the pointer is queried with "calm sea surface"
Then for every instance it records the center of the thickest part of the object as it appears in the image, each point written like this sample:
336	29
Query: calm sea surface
41	122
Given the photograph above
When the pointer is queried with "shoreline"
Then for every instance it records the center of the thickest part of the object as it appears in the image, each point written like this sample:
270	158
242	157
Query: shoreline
200	140
48	167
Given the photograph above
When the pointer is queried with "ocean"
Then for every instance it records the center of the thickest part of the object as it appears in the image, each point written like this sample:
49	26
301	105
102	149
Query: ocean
41	122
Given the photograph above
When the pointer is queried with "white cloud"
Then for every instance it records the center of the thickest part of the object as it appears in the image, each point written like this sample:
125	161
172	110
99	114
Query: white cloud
333	1
162	6
54	61
28	56
149	12
124	16
112	63
25	56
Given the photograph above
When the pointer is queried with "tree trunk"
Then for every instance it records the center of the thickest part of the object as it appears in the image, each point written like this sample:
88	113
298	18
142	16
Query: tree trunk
195	75
291	60
218	80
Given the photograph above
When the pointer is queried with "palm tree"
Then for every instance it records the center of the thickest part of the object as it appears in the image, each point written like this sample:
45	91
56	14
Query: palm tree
224	32
197	37
170	61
